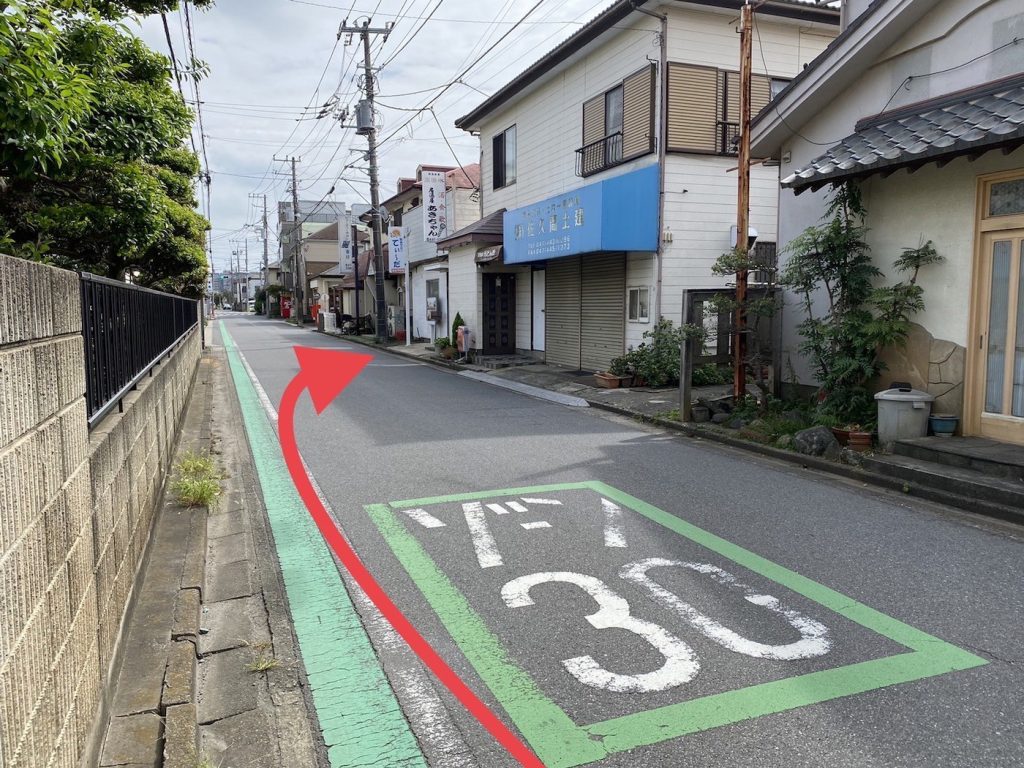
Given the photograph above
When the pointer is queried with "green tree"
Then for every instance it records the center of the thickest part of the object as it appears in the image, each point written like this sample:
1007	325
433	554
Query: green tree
107	186
848	317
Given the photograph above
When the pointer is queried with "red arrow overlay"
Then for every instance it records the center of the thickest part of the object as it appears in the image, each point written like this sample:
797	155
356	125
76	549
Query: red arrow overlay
325	373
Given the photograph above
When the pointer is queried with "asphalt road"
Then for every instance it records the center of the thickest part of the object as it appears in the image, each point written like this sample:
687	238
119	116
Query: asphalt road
634	598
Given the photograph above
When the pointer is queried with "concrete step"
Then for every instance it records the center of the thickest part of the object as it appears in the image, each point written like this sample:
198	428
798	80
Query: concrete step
957	486
988	457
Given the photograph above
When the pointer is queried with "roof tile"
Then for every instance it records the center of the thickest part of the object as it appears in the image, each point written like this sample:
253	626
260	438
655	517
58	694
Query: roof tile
974	123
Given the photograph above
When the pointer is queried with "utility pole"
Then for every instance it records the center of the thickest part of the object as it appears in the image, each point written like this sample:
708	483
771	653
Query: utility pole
266	262
365	124
247	273
297	267
739	337
266	256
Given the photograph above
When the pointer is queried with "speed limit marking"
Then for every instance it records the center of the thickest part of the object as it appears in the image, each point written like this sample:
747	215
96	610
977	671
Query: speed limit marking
486	523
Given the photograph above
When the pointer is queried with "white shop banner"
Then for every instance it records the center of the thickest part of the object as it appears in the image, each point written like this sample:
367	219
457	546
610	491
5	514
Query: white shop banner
346	259
435	206
397	238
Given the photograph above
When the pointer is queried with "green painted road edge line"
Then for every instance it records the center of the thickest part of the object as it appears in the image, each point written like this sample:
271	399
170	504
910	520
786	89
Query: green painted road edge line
360	717
561	743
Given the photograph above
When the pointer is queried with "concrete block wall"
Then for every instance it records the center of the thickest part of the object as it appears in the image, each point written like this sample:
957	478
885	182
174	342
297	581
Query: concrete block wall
75	513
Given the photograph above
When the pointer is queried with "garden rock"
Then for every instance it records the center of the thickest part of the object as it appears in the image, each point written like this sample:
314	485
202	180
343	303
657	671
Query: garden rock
817	441
700	413
852	457
721	418
784	441
736	424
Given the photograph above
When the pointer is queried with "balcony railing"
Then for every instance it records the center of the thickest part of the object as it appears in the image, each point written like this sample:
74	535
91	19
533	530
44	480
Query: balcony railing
728	138
598	155
127	331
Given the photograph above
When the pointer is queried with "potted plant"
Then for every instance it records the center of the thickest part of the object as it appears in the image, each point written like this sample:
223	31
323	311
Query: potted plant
619	374
943	424
444	347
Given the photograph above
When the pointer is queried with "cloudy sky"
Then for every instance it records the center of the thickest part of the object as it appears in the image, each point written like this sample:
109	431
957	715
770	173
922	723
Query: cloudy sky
274	63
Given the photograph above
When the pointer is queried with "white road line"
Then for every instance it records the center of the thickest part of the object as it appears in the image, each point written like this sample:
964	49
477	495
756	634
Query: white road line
486	547
424	518
515	506
554	502
814	640
498	509
419	698
538	524
613	536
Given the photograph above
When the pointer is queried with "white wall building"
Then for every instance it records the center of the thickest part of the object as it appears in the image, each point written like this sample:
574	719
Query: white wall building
910	103
614	203
426	262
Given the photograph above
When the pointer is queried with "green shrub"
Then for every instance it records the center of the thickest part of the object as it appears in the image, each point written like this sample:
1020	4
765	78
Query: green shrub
709	374
455	327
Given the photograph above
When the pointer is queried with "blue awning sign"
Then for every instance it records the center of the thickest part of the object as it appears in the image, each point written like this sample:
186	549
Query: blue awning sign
618	214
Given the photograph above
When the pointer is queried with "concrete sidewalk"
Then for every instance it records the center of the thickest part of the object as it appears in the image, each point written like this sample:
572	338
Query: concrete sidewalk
929	481
210	673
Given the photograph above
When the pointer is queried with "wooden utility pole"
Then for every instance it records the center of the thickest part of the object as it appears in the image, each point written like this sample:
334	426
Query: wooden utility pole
366	124
739	337
297	265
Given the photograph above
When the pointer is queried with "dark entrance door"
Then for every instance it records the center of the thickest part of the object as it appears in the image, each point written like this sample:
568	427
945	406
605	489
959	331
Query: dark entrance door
499	314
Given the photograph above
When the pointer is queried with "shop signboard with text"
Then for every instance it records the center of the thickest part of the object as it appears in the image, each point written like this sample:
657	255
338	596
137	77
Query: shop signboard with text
618	214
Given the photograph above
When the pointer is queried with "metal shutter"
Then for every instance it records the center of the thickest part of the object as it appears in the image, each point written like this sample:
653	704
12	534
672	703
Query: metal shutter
562	312
731	98
593	131
593	120
760	93
603	326
638	113
692	108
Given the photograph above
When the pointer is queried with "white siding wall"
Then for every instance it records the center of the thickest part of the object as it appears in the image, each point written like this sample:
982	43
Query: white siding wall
700	208
640	273
709	38
549	119
466	208
463	286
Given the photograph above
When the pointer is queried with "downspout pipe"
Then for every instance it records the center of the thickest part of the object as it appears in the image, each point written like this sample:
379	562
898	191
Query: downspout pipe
662	142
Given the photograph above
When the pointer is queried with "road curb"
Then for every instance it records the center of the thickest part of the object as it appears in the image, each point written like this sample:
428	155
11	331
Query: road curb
847	471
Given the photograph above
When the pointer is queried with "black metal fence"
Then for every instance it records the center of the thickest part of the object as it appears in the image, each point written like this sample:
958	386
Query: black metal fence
598	155
127	331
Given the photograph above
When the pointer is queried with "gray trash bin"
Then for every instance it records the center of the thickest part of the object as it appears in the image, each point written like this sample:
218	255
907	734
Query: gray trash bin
902	414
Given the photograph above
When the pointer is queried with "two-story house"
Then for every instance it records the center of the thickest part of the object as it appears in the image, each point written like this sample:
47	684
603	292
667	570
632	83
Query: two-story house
921	104
609	164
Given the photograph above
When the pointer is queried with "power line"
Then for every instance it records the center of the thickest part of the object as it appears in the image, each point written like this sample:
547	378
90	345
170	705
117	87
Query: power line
462	74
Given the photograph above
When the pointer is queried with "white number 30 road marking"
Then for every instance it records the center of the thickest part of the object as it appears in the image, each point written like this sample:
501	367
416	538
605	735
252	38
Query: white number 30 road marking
681	664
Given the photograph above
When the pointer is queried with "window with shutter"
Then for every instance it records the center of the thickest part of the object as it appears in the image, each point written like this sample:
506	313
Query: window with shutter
693	108
638	92
704	108
618	125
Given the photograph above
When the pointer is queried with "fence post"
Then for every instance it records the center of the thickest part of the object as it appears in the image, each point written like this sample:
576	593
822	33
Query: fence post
686	362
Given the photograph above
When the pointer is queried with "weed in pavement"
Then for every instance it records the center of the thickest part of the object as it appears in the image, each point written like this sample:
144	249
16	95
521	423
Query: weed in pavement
196	482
